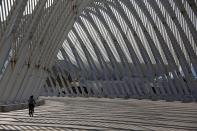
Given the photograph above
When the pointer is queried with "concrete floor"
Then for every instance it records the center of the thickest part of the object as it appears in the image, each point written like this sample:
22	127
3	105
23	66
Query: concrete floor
95	114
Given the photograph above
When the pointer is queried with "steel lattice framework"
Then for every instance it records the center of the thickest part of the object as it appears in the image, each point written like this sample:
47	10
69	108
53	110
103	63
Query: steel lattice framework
102	48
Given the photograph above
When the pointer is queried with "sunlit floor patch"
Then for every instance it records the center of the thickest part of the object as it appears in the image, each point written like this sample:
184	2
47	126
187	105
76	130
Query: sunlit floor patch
96	114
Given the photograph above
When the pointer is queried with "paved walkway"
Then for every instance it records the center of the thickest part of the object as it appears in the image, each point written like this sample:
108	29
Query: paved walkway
95	114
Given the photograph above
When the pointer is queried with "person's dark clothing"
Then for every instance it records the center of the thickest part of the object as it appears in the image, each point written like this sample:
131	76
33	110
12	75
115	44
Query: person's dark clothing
31	107
32	103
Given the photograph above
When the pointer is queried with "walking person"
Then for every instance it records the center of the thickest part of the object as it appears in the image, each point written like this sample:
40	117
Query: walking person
32	103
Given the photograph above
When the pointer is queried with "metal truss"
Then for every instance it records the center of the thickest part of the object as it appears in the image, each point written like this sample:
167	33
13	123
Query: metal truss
102	48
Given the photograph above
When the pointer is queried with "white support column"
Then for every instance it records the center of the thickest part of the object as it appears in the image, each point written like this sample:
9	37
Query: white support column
175	44
98	54
64	32
63	83
66	57
93	68
5	45
22	52
129	48
109	52
36	60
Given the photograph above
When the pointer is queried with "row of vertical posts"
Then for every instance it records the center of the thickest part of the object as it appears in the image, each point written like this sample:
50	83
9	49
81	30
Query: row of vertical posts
167	69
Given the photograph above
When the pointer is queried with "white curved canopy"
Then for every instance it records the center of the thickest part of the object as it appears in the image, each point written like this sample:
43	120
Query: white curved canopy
113	48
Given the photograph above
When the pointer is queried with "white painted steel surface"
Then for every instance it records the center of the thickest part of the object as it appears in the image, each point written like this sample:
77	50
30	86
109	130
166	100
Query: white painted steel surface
101	48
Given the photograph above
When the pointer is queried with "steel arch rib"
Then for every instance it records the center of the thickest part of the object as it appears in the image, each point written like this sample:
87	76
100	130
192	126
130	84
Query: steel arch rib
149	48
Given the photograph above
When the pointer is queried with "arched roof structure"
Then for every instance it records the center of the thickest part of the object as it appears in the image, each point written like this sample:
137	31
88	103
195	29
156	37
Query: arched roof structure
111	48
